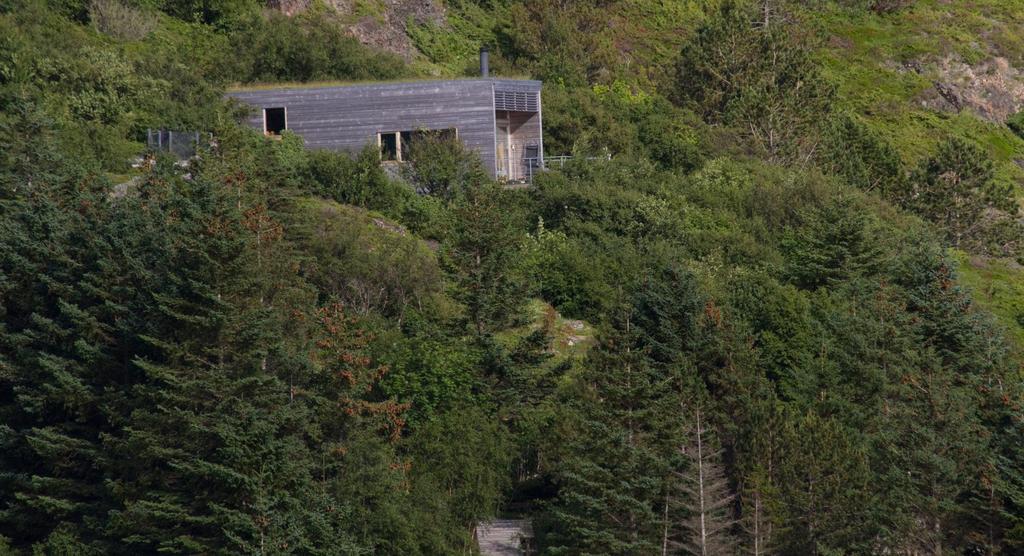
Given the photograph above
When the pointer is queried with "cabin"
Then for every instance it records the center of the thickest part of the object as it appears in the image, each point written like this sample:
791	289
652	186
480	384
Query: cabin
498	118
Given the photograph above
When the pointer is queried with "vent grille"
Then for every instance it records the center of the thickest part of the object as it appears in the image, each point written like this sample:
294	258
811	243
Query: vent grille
515	101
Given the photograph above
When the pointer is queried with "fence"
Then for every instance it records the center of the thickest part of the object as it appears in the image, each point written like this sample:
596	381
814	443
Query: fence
539	164
182	144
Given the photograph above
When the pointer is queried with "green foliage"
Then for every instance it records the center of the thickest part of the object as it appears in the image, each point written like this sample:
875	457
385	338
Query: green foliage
481	257
261	352
560	44
308	47
755	76
833	245
441	166
863	158
823	483
613	478
954	187
1016	124
120	20
364	261
355	181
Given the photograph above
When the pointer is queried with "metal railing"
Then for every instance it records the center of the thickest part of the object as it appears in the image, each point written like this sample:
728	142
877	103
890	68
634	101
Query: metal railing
539	164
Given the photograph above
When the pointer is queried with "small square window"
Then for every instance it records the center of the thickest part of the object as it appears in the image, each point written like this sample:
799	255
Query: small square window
274	121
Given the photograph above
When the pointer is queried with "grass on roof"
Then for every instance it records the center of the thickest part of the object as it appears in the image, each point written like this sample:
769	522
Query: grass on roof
239	87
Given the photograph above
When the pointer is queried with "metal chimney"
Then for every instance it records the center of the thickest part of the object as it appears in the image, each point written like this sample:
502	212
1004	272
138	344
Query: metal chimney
485	63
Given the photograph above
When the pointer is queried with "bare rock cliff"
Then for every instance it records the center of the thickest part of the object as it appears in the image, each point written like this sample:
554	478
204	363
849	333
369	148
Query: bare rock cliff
993	89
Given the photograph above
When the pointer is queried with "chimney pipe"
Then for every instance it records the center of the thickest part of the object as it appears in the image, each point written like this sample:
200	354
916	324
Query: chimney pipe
485	65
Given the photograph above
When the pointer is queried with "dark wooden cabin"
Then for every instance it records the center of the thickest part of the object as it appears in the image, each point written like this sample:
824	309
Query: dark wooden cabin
498	118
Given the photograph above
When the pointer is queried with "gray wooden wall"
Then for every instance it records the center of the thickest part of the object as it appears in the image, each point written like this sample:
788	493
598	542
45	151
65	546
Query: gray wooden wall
350	117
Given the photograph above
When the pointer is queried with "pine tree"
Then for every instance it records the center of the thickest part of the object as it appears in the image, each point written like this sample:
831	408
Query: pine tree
954	187
863	158
759	78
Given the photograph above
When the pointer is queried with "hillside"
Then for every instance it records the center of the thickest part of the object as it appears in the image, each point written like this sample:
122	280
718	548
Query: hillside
777	291
916	73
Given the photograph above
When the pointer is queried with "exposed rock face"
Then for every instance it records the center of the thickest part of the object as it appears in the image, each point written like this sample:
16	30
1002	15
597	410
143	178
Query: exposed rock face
381	24
993	89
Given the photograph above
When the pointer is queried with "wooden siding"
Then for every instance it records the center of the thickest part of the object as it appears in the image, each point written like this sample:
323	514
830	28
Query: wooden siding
350	117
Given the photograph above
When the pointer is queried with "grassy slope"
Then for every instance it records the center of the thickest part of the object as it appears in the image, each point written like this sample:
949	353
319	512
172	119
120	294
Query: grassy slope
998	286
864	54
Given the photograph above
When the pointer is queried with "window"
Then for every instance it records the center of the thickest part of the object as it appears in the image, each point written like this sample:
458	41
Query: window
274	121
389	146
398	145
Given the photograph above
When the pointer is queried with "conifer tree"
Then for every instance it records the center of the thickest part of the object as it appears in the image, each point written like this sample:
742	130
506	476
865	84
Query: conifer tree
612	482
822	479
863	158
954	187
60	385
701	493
480	256
834	244
740	71
756	522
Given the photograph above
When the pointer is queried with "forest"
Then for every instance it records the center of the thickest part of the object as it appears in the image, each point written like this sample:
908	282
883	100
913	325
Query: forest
773	306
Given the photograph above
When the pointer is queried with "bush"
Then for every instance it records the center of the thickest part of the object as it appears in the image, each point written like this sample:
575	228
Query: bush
441	166
1016	123
368	263
120	21
307	47
356	181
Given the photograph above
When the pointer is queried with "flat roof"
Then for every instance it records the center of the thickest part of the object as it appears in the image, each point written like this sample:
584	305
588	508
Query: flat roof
530	84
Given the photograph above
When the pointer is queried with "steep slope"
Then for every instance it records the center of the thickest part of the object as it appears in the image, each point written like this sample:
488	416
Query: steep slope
916	73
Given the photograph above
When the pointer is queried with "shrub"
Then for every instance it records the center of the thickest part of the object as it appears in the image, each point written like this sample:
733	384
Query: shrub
440	165
120	21
365	261
1016	123
355	181
307	47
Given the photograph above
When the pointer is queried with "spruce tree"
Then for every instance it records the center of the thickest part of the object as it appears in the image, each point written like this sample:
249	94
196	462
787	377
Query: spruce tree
480	255
60	374
612	483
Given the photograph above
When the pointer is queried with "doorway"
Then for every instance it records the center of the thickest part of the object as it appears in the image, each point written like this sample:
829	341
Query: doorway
503	156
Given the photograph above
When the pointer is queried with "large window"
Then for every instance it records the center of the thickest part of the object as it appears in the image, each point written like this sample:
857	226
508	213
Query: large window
399	146
275	120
